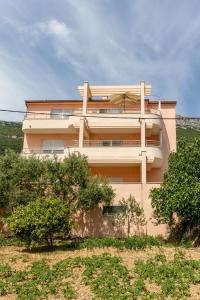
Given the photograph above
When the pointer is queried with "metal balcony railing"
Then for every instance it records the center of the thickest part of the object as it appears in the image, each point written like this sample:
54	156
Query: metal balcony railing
152	143
78	111
92	143
117	110
111	143
43	151
51	116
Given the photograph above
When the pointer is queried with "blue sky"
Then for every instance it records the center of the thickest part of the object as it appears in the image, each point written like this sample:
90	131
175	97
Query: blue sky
48	47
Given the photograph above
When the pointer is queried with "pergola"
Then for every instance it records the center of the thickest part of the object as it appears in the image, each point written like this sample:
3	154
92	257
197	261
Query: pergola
109	90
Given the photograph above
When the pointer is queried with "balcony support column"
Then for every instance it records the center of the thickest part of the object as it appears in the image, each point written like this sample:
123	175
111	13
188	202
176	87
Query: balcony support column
143	176
81	132
85	96
142	87
142	113
82	120
144	168
161	138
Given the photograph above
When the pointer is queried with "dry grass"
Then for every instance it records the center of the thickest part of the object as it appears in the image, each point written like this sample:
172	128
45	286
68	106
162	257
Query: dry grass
19	259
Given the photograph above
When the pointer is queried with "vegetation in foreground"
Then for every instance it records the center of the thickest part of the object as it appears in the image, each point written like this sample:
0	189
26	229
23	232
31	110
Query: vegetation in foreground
103	276
177	201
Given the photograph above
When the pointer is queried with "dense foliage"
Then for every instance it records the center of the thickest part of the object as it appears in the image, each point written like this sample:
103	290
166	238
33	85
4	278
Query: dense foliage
178	198
40	221
62	187
23	180
11	136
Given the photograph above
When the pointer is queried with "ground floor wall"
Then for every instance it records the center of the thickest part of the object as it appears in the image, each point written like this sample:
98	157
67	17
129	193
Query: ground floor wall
96	224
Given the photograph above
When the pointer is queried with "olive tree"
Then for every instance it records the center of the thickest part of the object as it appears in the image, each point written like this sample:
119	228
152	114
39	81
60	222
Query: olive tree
22	180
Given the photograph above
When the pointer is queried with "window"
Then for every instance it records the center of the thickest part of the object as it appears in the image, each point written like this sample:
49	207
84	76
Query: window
110	110
103	111
105	143
61	113
116	143
113	210
53	146
116	110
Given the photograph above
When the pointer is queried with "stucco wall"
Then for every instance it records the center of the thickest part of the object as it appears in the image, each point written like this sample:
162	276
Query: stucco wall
95	224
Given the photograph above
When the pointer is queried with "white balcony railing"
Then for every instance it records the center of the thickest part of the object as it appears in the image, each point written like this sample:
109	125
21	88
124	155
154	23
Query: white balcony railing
51	116
152	143
78	112
43	151
92	144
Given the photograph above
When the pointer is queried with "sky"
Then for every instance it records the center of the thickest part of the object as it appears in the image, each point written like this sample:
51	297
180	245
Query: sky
49	47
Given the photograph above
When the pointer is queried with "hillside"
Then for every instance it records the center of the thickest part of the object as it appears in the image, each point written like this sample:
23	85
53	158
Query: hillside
188	128
11	135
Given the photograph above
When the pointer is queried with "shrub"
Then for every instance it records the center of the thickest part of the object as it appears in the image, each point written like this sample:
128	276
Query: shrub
40	221
178	198
134	242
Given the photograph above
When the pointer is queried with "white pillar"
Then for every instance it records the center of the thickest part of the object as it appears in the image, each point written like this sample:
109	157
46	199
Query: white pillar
142	86
82	120
143	177
161	138
144	168
85	96
142	123
159	106
81	132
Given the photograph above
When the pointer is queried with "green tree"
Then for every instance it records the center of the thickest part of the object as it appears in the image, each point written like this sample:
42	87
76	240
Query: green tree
178	198
22	180
133	213
40	221
71	181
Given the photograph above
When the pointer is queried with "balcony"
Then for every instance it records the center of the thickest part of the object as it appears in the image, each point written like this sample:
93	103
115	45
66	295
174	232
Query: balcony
108	152
115	119
50	123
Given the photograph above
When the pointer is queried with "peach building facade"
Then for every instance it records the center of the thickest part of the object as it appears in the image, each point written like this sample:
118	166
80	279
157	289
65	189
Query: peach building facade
129	144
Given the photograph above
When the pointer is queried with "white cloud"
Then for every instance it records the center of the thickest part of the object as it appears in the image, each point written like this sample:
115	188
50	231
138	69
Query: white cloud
108	42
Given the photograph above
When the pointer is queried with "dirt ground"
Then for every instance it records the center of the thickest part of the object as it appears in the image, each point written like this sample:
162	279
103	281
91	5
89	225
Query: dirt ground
19	258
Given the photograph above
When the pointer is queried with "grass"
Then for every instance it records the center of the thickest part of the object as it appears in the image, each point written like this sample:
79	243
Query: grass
102	276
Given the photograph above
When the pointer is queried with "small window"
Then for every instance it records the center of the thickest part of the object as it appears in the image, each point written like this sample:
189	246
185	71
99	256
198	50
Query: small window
61	113
103	111
113	210
116	111
117	143
105	143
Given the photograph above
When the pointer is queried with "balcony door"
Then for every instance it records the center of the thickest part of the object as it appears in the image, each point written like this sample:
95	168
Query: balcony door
53	146
61	113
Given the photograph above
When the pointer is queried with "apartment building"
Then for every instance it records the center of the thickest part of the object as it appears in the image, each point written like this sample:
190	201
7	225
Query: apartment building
128	141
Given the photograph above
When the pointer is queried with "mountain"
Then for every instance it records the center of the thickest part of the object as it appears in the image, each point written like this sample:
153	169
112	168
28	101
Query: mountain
11	135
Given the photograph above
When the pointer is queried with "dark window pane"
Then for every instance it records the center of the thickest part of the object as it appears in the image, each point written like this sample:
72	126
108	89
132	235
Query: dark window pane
113	209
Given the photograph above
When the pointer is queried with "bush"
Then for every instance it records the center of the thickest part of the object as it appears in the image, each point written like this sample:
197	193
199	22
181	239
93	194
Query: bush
137	242
40	221
134	242
177	201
